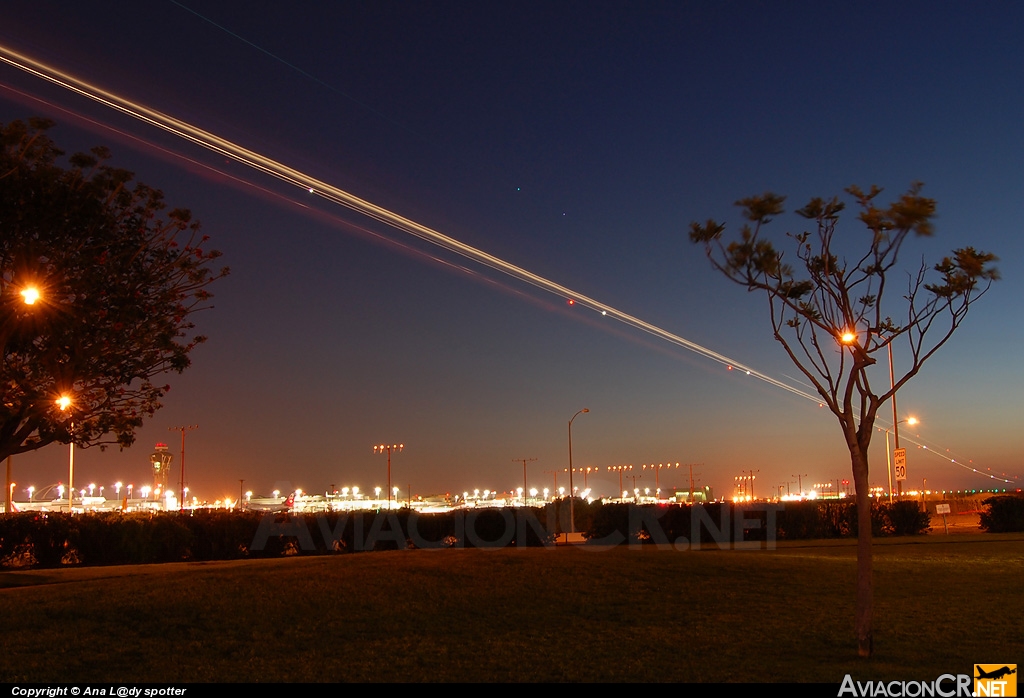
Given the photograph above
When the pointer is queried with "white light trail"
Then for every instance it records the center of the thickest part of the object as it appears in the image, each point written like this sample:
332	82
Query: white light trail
327	191
318	187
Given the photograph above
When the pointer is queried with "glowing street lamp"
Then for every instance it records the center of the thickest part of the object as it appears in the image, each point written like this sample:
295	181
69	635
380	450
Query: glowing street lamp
64	403
30	294
572	491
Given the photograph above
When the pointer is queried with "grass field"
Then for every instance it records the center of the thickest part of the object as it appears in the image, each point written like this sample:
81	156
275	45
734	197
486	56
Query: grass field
565	614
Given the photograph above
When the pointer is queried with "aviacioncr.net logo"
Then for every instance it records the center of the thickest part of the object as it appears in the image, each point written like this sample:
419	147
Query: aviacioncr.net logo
995	680
946	686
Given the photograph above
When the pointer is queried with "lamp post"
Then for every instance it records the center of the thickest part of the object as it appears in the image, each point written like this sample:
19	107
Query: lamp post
29	296
385	448
895	422
64	402
572	495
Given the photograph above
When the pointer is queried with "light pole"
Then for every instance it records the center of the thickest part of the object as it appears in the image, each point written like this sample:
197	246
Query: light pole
183	429
657	476
524	461
64	402
800	482
620	469
554	474
385	448
895	423
572	496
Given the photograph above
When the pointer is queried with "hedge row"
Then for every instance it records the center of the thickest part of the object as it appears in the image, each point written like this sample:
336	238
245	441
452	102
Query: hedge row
53	540
1005	514
729	523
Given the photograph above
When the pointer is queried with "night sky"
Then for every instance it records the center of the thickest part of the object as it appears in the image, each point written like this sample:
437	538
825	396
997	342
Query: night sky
576	140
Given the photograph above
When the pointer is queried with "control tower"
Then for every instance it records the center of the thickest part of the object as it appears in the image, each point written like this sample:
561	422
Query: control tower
161	460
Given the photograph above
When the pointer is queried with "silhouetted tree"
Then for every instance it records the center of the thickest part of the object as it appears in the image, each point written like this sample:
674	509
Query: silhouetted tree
97	287
833	314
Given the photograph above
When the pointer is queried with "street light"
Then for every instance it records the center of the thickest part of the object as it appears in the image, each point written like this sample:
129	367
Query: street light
30	294
895	422
572	492
64	403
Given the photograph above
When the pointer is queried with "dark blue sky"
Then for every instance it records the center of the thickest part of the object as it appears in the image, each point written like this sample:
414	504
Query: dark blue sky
576	140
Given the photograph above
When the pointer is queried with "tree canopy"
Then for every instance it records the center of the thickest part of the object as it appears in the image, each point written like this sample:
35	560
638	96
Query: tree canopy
825	301
832	313
98	285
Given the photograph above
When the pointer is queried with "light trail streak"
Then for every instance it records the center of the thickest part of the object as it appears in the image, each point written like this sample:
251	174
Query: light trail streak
327	191
331	193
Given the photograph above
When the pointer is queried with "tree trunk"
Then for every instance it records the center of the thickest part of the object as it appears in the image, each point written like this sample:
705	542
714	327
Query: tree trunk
865	588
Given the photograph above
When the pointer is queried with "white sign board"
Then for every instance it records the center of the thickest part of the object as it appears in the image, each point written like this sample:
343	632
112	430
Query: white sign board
899	461
941	508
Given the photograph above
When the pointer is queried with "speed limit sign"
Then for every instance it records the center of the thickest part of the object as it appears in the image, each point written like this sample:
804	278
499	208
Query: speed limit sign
899	460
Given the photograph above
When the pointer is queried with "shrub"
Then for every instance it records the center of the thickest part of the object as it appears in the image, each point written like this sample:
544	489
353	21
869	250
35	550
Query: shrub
905	518
1005	514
